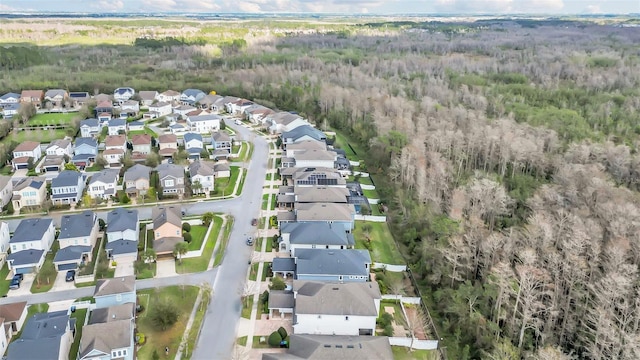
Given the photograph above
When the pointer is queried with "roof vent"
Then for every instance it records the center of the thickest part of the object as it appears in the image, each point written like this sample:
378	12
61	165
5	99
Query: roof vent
330	253
349	346
335	288
327	345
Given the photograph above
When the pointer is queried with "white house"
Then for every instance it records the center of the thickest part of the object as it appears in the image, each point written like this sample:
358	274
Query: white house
314	236
168	96
130	106
6	190
191	96
123	224
9	98
24	151
204	124
67	187
60	147
284	121
36	233
117	126
90	127
103	184
202	173
123	94
4	238
113	157
161	108
147	97
183	110
116	142
141	143
10	110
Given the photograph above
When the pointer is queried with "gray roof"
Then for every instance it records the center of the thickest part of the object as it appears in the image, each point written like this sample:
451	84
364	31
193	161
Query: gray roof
284	118
77	225
307	145
120	247
66	178
11	106
31	230
317	233
71	253
192	136
220	136
112	313
26	257
279	299
332	262
193	92
207	99
166	214
117	122
113	286
204	118
105	337
136	123
314	154
53	160
123	90
170	170
283	264
34	182
221	167
86	141
54	92
324	212
40	336
136	172
333	347
62	143
200	168
147	95
352	298
301	131
9	96
122	219
331	194
107	176
4	181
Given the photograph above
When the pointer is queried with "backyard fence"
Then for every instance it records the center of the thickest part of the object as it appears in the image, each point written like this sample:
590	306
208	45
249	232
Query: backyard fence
389	267
413	343
372	218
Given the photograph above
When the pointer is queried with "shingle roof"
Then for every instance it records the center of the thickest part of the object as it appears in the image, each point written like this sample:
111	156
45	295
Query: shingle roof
283	264
167	138
34	182
332	262
105	337
329	194
104	104
86	141
147	95
170	93
61	143
122	219
123	90
166	214
314	154
193	92
141	139
12	312
159	104
200	168
117	122
54	92
73	252
221	167
40	336
305	130
192	136
324	212
26	257
4	181
220	136
332	347
27	146
120	247
113	286
66	178
354	298
137	171
106	176
317	233
170	170
10	96
93	122
204	118
32	93
77	225
31	230
124	311
115	140
279	299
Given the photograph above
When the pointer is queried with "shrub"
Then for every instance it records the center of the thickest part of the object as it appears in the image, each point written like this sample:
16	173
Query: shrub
164	315
388	330
274	339
140	338
385	319
187	237
277	284
282	332
186	227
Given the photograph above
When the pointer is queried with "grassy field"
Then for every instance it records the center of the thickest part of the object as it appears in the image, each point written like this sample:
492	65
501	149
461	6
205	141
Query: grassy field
4	283
200	263
51	119
403	353
224	242
246	307
382	247
197	236
158	339
35	135
79	315
140	132
224	186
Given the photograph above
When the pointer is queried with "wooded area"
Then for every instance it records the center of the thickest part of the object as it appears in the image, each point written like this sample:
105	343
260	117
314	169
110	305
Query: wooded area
506	152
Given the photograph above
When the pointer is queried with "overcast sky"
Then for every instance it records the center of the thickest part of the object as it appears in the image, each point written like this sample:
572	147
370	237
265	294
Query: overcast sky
332	6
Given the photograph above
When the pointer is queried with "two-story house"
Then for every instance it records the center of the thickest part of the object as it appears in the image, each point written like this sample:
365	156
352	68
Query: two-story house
171	179
67	187
338	214
90	127
168	96
129	108
117	126
79	98
45	336
78	235
29	243
208	100
193	145
59	147
221	141
23	152
136	180
141	143
257	114
183	110
161	108
167	229
123	227
147	97
314	236
103	184
14	315
115	148
57	97
109	334
29	191
168	145
104	107
202	177
85	150
116	291
10	110
239	106
204	124
348	265
334	347
6	190
34	97
123	94
302	133
9	98
191	96
284	121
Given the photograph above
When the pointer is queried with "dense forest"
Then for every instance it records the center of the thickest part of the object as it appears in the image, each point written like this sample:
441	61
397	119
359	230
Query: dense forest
507	152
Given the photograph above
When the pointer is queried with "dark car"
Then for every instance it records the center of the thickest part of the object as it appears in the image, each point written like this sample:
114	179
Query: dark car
15	281
249	241
254	222
71	275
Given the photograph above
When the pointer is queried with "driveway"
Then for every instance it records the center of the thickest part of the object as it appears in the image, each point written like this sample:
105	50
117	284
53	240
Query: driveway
124	268
61	284
165	268
25	286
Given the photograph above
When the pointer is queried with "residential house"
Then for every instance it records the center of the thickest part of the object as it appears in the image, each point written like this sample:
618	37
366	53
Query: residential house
9	98
313	176
141	143
171	179
113	157
178	129
314	236
79	98
34	97
85	150
191	96
193	145
208	100
57	97
78	235
197	112
336	308
118	142
136	180
348	265
257	114
10	110
45	336
103	184
29	191
104	107
90	127
239	106
31	239
52	163
221	141
204	124
284	121
290	195
4	240
169	96
302	133
161	108
168	145
183	110
221	170
6	190
322	347
337	214
147	97
103	97
67	187
59	147
123	94
24	151
14	315
123	228
201	173
221	104
129	108
116	291
167	229
104	118
109	334
117	126
135	126
311	153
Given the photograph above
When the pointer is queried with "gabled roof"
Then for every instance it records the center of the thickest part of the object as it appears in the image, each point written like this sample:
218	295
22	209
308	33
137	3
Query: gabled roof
34	182
77	225
27	146
114	286
192	136
332	262
32	94
105	104
159	105
221	167
317	233
103	97
12	312
148	95
136	123
66	178
305	130
209	117
11	106
123	90
70	253
53	160
26	257
31	230
314	154
106	176
124	311
130	103
167	138
186	108
324	212
55	92
284	118
86	141
115	140
193	92
220	136
119	247
137	171
80	95
166	214
10	96
210	99
40	336
332	347
122	219
61	143
200	168
322	298
170	93
117	122
4	181
141	139
93	122
173	170
329	194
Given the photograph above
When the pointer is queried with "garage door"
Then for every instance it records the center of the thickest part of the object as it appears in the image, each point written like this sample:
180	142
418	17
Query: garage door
24	166
26	270
62	267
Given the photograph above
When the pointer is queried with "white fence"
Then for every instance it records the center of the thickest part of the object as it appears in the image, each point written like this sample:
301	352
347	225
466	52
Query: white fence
372	218
363	174
367	187
80	279
414	343
389	267
197	253
373	201
354	163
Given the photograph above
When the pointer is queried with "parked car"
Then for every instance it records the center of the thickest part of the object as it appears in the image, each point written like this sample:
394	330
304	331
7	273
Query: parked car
249	241
71	275
15	281
254	222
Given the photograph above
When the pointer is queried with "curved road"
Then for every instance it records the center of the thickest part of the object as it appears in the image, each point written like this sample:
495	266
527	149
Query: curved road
218	334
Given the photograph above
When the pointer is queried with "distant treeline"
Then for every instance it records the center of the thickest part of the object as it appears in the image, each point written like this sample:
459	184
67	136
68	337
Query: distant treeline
19	57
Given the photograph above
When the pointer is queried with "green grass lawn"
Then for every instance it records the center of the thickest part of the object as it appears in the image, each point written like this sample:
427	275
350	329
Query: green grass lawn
265	201
253	272
79	315
246	307
146	271
224	186
223	242
365	180
398	316
192	338
197	236
403	353
200	263
35	135
245	152
4	284
140	132
342	142
371	194
46	283
265	270
52	119
157	339
382	247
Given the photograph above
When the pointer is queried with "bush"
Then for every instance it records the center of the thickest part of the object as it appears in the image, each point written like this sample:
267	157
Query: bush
164	315
274	339
140	338
388	330
385	320
187	237
282	332
186	227
277	284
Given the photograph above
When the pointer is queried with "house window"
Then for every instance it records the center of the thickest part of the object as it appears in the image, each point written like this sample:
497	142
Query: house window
114	354
346	318
158	234
119	353
24	247
168	183
118	297
177	232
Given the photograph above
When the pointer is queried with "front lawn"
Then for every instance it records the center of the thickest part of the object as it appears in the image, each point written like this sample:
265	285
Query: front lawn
253	273
246	307
4	283
223	242
200	263
265	201
224	186
52	119
183	297
197	236
380	244
79	315
47	274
